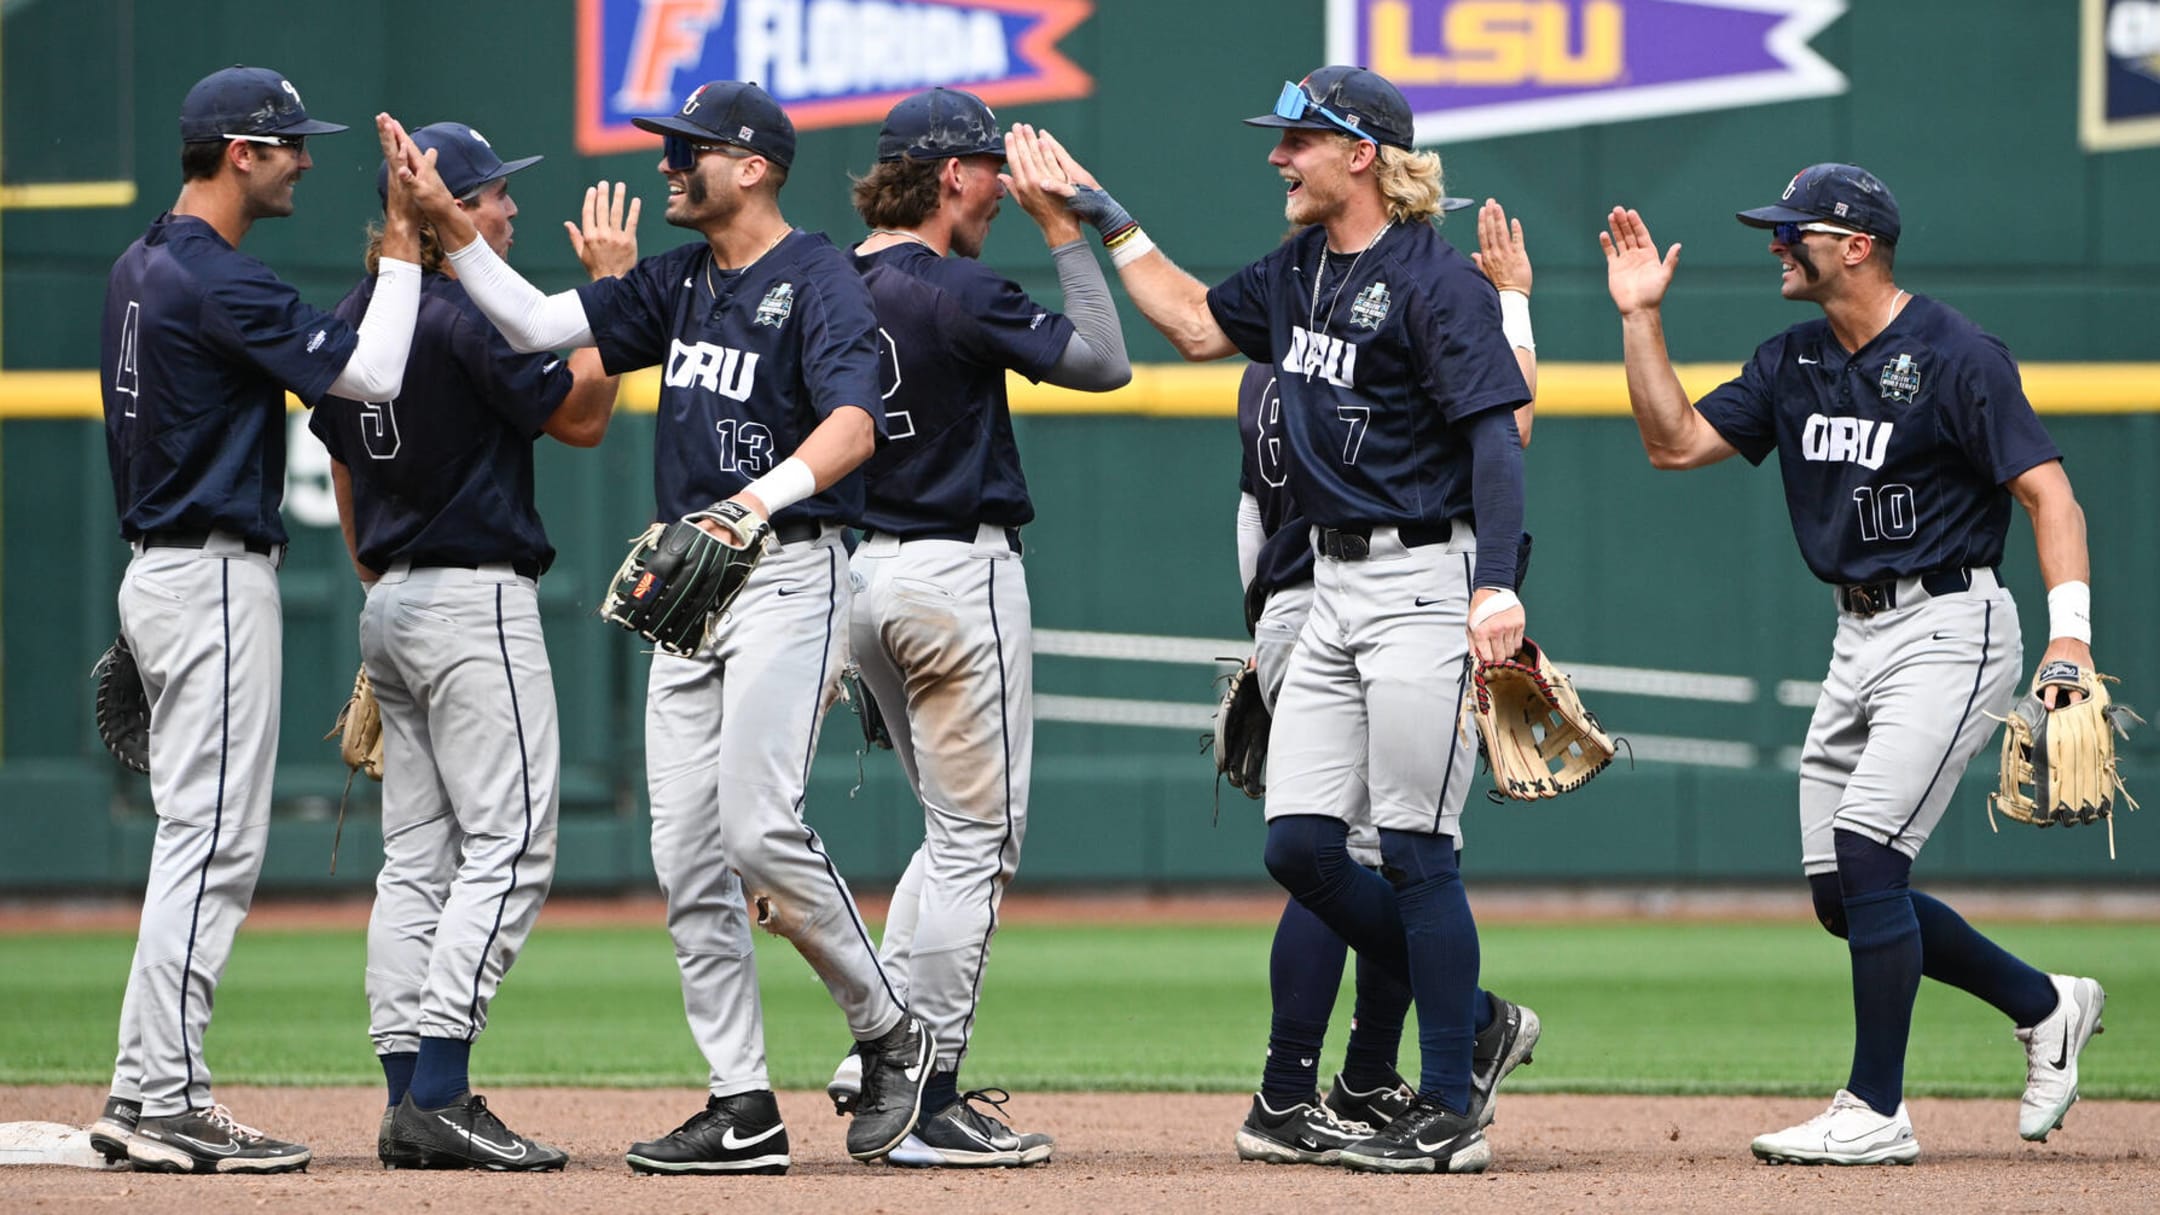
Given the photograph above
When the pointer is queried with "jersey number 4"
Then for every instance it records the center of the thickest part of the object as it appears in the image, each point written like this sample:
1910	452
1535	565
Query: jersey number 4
127	375
1887	513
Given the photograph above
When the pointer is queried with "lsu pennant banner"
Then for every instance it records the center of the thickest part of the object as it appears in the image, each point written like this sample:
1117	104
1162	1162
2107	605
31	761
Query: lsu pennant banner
1474	69
828	62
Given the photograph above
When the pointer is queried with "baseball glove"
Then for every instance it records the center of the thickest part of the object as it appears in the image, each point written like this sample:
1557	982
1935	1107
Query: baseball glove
875	734
1538	737
123	707
1241	733
2058	765
358	729
678	577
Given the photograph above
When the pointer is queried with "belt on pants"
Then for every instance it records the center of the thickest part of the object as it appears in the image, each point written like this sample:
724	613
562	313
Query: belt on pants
197	538
523	567
971	533
1868	598
798	531
1355	543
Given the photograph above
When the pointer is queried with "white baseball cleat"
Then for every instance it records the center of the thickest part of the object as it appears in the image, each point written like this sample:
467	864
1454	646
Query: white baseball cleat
2051	1054
1849	1132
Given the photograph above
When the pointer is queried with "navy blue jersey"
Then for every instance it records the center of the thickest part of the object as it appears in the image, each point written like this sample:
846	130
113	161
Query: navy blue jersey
443	475
199	345
1286	557
753	360
1377	370
1894	457
948	328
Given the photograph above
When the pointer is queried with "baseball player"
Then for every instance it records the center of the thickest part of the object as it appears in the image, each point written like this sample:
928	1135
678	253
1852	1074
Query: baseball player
435	492
200	344
941	627
769	398
1398	396
1289	1122
1903	434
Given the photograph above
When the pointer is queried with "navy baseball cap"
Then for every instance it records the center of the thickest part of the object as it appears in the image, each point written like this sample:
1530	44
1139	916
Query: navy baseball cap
938	123
734	112
246	101
1832	193
1347	100
462	156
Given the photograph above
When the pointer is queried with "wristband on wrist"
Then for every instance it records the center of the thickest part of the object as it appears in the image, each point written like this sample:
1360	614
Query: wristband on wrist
1498	602
1132	245
2070	611
1515	319
789	482
1098	208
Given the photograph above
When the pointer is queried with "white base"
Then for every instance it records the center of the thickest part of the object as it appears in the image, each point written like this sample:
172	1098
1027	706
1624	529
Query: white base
49	1143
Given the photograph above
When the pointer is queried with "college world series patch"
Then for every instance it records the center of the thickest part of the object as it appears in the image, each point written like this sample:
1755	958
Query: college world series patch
1370	307
774	308
1900	379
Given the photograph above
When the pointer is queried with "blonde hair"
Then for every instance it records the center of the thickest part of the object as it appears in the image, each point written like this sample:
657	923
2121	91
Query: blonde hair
431	250
1410	183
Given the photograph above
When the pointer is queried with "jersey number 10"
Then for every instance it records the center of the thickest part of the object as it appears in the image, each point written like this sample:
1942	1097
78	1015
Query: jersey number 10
1886	513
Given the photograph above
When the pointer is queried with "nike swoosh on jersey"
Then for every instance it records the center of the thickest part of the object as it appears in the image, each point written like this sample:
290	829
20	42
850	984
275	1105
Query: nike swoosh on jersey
1805	361
503	1150
211	1148
1423	602
734	1143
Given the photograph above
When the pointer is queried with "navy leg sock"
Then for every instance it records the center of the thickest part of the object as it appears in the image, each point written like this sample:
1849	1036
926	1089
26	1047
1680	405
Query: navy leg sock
1308	855
397	1070
1883	934
1376	1028
941	1090
1441	942
439	1074
1305	969
1954	952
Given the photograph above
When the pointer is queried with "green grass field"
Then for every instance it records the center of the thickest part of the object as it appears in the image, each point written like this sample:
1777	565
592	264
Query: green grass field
1628	1007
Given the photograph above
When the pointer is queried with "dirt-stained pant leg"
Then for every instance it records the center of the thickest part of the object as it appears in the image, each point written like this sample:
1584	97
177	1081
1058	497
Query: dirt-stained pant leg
943	633
468	675
208	631
1903	709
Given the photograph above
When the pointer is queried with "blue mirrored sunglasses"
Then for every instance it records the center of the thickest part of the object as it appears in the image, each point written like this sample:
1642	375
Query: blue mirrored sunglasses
683	153
1295	103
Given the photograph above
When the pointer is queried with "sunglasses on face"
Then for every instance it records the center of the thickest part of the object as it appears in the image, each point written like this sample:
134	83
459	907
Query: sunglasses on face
683	153
1295	103
297	143
1789	234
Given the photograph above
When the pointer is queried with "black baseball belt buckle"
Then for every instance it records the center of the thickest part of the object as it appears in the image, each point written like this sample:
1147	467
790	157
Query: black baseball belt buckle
1868	598
1343	544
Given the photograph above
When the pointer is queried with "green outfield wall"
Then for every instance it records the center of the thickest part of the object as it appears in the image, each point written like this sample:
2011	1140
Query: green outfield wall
1682	597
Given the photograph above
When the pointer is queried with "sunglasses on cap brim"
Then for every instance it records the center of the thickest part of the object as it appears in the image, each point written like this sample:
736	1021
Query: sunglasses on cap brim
682	153
297	143
1295	104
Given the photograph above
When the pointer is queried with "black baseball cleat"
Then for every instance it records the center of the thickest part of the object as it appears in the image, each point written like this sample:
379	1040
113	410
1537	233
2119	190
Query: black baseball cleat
209	1141
895	1069
1307	1132
1376	1107
1425	1139
963	1137
115	1127
385	1150
1501	1048
464	1134
740	1133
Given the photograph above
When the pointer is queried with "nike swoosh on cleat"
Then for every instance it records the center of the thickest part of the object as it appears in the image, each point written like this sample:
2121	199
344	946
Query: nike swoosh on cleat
2062	1053
228	1150
501	1150
734	1143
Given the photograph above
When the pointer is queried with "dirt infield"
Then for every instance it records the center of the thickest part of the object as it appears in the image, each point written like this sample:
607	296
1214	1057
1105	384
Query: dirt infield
1552	1154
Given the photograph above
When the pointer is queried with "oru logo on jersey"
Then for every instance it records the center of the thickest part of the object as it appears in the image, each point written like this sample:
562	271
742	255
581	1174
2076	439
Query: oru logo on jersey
1846	440
1318	356
723	369
1471	69
828	62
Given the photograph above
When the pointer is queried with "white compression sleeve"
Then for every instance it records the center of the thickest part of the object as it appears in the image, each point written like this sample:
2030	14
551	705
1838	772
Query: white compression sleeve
531	321
376	370
1249	539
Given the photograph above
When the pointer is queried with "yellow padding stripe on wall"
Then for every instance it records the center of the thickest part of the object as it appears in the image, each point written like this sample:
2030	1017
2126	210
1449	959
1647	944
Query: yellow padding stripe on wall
1209	390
